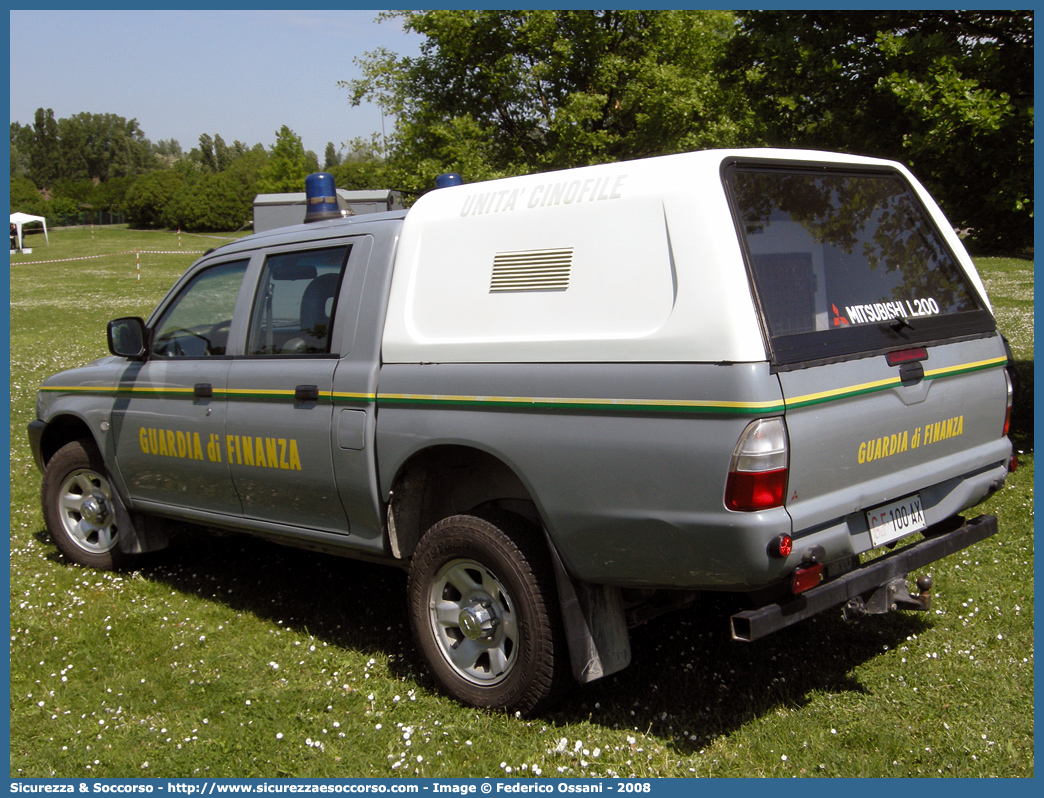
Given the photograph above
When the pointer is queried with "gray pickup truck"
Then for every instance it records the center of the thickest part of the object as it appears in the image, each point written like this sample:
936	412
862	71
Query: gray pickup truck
564	402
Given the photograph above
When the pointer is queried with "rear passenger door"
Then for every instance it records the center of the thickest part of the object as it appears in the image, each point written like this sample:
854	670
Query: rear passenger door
278	434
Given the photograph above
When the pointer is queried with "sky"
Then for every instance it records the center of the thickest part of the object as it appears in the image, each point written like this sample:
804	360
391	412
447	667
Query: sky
237	74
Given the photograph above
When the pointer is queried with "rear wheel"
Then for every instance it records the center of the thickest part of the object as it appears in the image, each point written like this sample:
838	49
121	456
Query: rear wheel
483	610
78	506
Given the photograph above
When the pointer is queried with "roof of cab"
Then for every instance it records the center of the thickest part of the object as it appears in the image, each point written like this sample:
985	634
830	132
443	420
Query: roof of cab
312	231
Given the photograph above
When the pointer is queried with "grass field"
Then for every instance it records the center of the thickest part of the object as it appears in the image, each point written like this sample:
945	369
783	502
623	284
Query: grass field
231	657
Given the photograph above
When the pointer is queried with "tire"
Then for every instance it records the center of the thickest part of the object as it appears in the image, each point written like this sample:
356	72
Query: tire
484	613
78	507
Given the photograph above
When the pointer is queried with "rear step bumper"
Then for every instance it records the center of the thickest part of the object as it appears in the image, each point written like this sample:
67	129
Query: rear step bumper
860	585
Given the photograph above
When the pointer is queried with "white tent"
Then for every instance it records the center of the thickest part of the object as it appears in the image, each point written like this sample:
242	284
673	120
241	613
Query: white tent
20	219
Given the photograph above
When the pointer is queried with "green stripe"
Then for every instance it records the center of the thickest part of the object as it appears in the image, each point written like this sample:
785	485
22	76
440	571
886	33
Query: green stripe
75	390
181	393
353	398
932	374
549	404
260	396
883	385
601	405
794	404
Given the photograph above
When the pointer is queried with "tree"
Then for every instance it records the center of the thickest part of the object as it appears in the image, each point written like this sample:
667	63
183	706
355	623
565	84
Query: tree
331	158
222	201
211	203
76	190
288	164
111	195
222	155
948	92
103	146
206	152
73	146
365	167
25	196
21	147
62	211
245	171
45	156
498	92
147	199
85	146
168	148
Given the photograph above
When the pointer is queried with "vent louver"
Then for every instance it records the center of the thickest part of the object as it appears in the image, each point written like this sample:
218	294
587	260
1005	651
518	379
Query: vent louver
531	270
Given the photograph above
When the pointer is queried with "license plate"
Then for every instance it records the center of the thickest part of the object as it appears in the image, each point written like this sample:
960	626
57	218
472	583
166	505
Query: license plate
889	522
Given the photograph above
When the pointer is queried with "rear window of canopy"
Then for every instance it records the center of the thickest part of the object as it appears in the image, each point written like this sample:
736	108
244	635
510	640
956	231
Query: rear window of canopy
846	261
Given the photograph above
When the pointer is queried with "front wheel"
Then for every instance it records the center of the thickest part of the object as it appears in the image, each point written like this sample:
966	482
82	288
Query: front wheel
78	506
483	611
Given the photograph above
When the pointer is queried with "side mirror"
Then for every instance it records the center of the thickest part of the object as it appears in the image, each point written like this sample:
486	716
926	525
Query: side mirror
127	338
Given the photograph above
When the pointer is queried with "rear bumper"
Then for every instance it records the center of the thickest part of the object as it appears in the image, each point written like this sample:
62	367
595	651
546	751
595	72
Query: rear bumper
754	624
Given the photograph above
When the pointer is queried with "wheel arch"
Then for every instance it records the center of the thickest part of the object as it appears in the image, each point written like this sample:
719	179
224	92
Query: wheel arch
137	533
61	430
451	479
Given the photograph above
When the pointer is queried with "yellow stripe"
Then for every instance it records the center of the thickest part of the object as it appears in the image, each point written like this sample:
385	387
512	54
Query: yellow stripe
993	361
73	388
557	400
155	390
552	400
264	392
365	397
866	386
878	384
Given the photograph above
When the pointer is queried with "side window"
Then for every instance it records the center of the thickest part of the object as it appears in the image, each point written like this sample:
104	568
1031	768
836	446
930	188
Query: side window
197	322
294	306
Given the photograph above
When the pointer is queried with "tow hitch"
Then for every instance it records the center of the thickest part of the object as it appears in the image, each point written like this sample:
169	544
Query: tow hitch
890	597
876	587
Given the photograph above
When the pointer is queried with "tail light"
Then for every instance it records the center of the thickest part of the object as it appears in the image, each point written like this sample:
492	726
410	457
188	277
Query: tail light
758	472
1011	396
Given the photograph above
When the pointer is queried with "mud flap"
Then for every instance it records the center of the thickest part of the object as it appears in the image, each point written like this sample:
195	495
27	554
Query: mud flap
138	534
596	629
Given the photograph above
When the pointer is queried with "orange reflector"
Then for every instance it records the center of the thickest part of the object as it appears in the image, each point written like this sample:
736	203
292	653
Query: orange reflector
805	578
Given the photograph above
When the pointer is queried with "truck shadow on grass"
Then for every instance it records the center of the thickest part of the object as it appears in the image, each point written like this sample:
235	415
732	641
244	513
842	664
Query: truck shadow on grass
342	602
687	683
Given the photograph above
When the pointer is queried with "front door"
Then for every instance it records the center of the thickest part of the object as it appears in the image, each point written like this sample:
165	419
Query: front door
169	416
